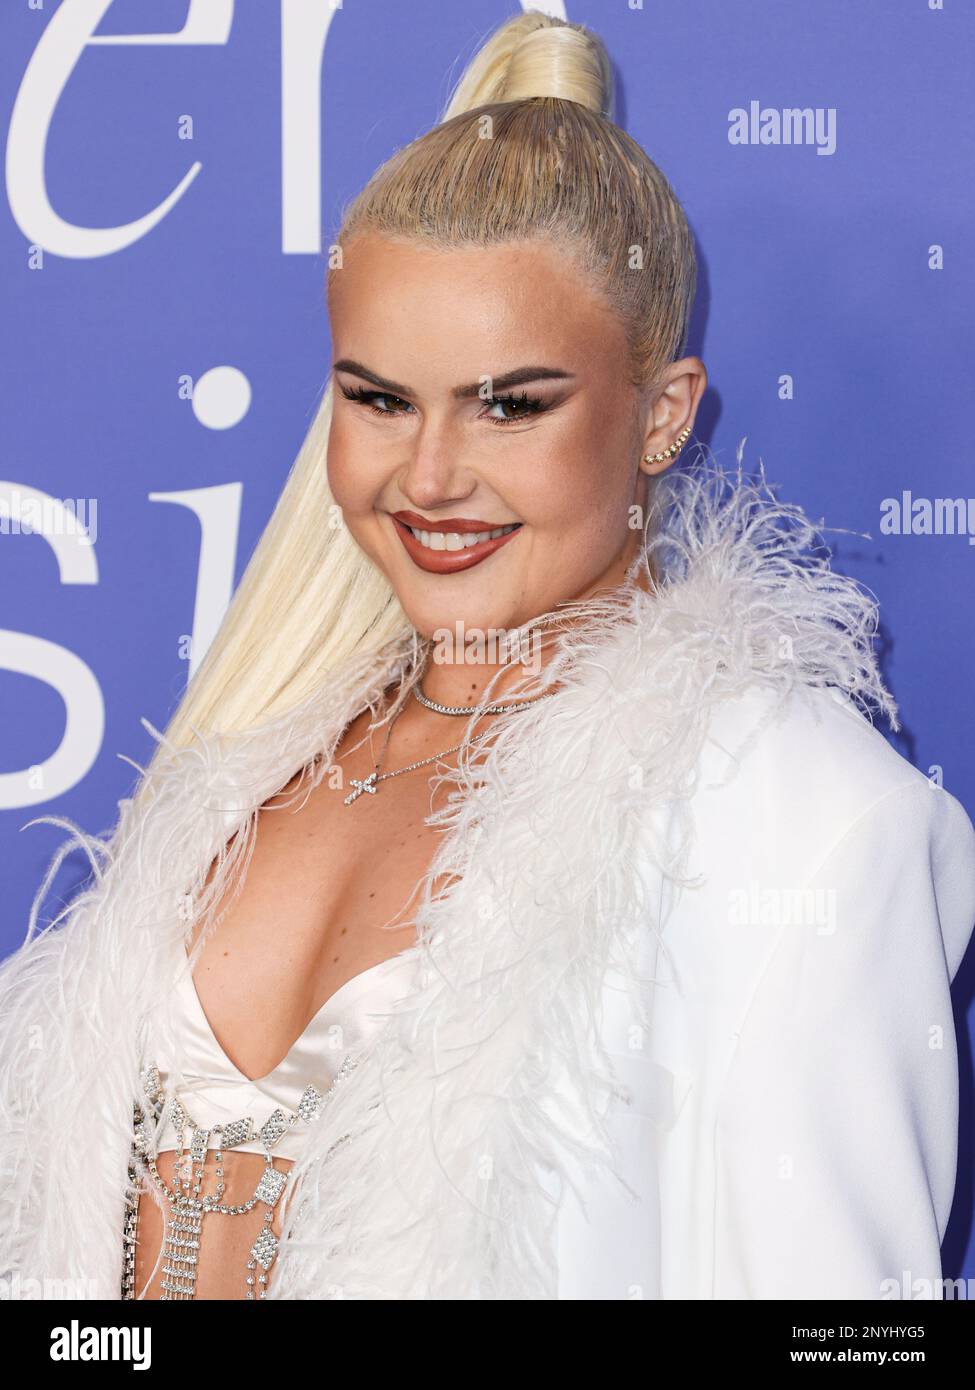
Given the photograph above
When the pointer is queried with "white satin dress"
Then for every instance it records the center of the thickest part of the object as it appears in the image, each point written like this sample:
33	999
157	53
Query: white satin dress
215	1109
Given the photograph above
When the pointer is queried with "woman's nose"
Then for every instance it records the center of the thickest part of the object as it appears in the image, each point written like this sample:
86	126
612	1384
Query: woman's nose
435	470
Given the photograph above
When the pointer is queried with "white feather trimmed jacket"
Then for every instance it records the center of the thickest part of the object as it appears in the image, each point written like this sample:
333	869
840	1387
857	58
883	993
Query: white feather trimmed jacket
682	1024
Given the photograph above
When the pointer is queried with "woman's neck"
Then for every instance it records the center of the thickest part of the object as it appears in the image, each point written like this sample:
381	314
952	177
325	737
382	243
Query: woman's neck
460	675
459	670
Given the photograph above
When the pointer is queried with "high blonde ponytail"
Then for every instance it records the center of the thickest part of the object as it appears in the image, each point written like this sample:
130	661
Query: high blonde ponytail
535	55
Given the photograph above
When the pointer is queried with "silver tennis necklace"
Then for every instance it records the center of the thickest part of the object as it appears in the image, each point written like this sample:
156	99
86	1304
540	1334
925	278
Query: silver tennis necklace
370	784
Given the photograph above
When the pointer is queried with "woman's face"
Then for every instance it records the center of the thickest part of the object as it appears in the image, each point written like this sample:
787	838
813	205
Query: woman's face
474	389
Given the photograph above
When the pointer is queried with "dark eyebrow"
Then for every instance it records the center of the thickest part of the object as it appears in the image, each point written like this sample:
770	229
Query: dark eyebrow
499	383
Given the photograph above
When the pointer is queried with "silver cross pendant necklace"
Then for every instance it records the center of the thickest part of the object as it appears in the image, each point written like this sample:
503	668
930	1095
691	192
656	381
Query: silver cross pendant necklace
370	784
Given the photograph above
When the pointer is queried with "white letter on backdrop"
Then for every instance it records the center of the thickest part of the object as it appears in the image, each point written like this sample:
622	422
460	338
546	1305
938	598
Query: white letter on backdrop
69	32
218	511
56	666
304	26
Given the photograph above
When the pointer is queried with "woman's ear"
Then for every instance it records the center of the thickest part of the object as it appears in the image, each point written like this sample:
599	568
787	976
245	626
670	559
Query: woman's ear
672	414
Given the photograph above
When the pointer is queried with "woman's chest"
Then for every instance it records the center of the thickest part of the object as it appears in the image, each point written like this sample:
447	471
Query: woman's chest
330	891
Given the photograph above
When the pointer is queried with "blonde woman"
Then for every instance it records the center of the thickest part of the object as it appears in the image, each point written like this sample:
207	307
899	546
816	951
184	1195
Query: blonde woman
521	903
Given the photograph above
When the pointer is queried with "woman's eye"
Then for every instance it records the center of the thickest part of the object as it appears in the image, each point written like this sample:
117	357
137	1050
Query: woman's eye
369	398
523	407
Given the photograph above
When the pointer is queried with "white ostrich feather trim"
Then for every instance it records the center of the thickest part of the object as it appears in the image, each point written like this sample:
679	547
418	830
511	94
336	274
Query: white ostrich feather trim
422	1177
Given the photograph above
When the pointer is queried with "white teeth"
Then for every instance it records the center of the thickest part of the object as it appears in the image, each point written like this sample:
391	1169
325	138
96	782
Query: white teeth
453	540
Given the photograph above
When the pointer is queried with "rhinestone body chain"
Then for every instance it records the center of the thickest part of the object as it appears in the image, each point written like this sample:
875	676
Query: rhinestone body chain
188	1203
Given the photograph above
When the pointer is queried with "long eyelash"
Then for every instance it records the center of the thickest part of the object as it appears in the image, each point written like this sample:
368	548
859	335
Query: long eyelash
535	406
359	393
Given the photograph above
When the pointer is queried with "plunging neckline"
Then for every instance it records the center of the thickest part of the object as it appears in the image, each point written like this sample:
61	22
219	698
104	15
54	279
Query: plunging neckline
343	990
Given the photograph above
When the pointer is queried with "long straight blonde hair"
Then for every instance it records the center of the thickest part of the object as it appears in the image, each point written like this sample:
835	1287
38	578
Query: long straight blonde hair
525	148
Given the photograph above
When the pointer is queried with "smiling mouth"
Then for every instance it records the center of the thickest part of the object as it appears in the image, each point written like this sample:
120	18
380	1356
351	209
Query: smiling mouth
453	540
446	552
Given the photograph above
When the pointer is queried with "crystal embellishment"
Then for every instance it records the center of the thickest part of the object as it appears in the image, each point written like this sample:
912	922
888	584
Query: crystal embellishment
181	1241
151	1082
265	1248
144	1136
310	1103
273	1127
270	1187
178	1115
237	1132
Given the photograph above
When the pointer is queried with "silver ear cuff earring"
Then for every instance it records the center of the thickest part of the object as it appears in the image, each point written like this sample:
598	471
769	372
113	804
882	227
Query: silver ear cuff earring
675	448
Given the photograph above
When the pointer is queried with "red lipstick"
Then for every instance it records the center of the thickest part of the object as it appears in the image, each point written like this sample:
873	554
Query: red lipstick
449	561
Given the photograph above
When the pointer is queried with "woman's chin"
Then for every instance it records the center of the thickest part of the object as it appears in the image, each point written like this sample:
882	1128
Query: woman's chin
459	622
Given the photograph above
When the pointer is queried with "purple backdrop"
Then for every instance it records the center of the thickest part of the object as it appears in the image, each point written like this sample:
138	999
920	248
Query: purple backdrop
817	148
